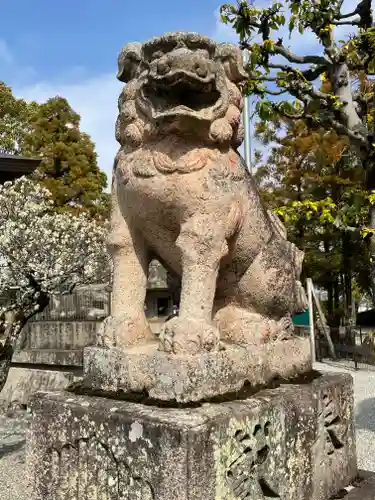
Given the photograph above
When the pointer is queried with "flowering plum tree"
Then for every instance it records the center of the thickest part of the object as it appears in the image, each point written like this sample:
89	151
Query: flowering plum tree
41	252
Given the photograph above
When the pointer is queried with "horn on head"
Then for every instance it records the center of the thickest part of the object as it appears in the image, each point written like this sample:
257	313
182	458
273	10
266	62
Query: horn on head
128	61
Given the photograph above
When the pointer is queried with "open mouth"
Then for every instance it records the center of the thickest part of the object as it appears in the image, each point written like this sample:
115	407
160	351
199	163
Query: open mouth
183	94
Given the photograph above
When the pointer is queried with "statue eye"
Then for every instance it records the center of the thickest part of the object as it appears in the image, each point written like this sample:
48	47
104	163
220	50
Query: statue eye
204	53
158	54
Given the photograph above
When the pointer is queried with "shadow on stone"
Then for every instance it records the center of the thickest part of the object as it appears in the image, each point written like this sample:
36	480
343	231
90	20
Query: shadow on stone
8	449
246	392
365	415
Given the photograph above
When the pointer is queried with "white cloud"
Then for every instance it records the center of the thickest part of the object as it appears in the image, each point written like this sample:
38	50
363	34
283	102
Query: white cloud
95	99
5	53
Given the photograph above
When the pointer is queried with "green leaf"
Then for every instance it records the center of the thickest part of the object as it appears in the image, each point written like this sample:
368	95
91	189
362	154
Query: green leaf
264	110
292	23
294	8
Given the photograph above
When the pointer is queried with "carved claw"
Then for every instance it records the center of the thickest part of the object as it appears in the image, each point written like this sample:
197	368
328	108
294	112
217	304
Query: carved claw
188	336
124	331
283	329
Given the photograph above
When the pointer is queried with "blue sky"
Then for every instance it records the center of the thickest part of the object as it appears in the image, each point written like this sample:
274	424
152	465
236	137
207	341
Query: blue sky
55	39
70	48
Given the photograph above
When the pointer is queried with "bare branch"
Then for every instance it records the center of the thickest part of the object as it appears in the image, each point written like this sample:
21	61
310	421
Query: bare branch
282	67
293	58
343	130
272	92
318	94
283	51
351	14
340	128
309	74
347	23
363	10
265	78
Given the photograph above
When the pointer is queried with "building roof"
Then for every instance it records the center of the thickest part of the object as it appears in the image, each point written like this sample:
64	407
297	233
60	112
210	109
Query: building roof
12	167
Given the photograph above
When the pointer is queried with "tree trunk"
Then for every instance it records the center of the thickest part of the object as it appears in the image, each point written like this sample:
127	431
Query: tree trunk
347	274
369	166
6	353
16	319
15	323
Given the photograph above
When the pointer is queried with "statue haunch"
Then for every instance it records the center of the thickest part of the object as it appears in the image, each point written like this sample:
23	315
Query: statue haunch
182	193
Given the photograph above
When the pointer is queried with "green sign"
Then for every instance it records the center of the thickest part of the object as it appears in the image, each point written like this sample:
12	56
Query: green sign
301	319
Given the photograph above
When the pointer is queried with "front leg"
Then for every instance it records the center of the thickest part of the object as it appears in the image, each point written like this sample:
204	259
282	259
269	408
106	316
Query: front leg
127	324
202	243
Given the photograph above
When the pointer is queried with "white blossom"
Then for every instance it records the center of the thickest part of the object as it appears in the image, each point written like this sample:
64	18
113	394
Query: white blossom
42	251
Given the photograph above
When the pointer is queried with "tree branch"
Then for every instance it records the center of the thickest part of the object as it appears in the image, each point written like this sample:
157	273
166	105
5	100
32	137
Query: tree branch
363	10
318	94
265	78
312	74
346	16
340	128
276	93
287	54
347	23
309	74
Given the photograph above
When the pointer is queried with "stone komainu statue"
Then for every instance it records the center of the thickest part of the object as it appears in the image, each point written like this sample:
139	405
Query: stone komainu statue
181	193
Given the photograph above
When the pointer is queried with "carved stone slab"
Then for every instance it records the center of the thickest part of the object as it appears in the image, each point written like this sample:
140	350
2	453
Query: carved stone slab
335	436
193	377
284	443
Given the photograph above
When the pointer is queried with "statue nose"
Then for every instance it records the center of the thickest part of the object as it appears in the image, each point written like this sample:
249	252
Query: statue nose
163	67
186	63
200	68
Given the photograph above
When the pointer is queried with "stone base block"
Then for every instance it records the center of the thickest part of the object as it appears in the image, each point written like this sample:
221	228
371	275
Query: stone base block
186	378
292	443
23	383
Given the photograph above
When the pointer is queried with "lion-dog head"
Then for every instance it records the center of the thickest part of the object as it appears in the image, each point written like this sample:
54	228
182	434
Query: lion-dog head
180	83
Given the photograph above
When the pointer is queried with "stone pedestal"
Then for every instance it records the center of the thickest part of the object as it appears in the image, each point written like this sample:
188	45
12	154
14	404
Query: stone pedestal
294	442
186	378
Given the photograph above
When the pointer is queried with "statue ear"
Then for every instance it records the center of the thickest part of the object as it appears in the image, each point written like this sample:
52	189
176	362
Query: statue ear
231	58
128	61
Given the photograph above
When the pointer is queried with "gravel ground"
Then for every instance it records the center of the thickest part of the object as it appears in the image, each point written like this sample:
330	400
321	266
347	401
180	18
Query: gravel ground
13	482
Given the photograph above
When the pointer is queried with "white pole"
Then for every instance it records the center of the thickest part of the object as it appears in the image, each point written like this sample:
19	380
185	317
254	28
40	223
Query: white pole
311	318
246	123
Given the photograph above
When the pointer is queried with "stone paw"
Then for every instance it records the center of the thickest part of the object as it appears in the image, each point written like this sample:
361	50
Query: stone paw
124	331
180	336
284	329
